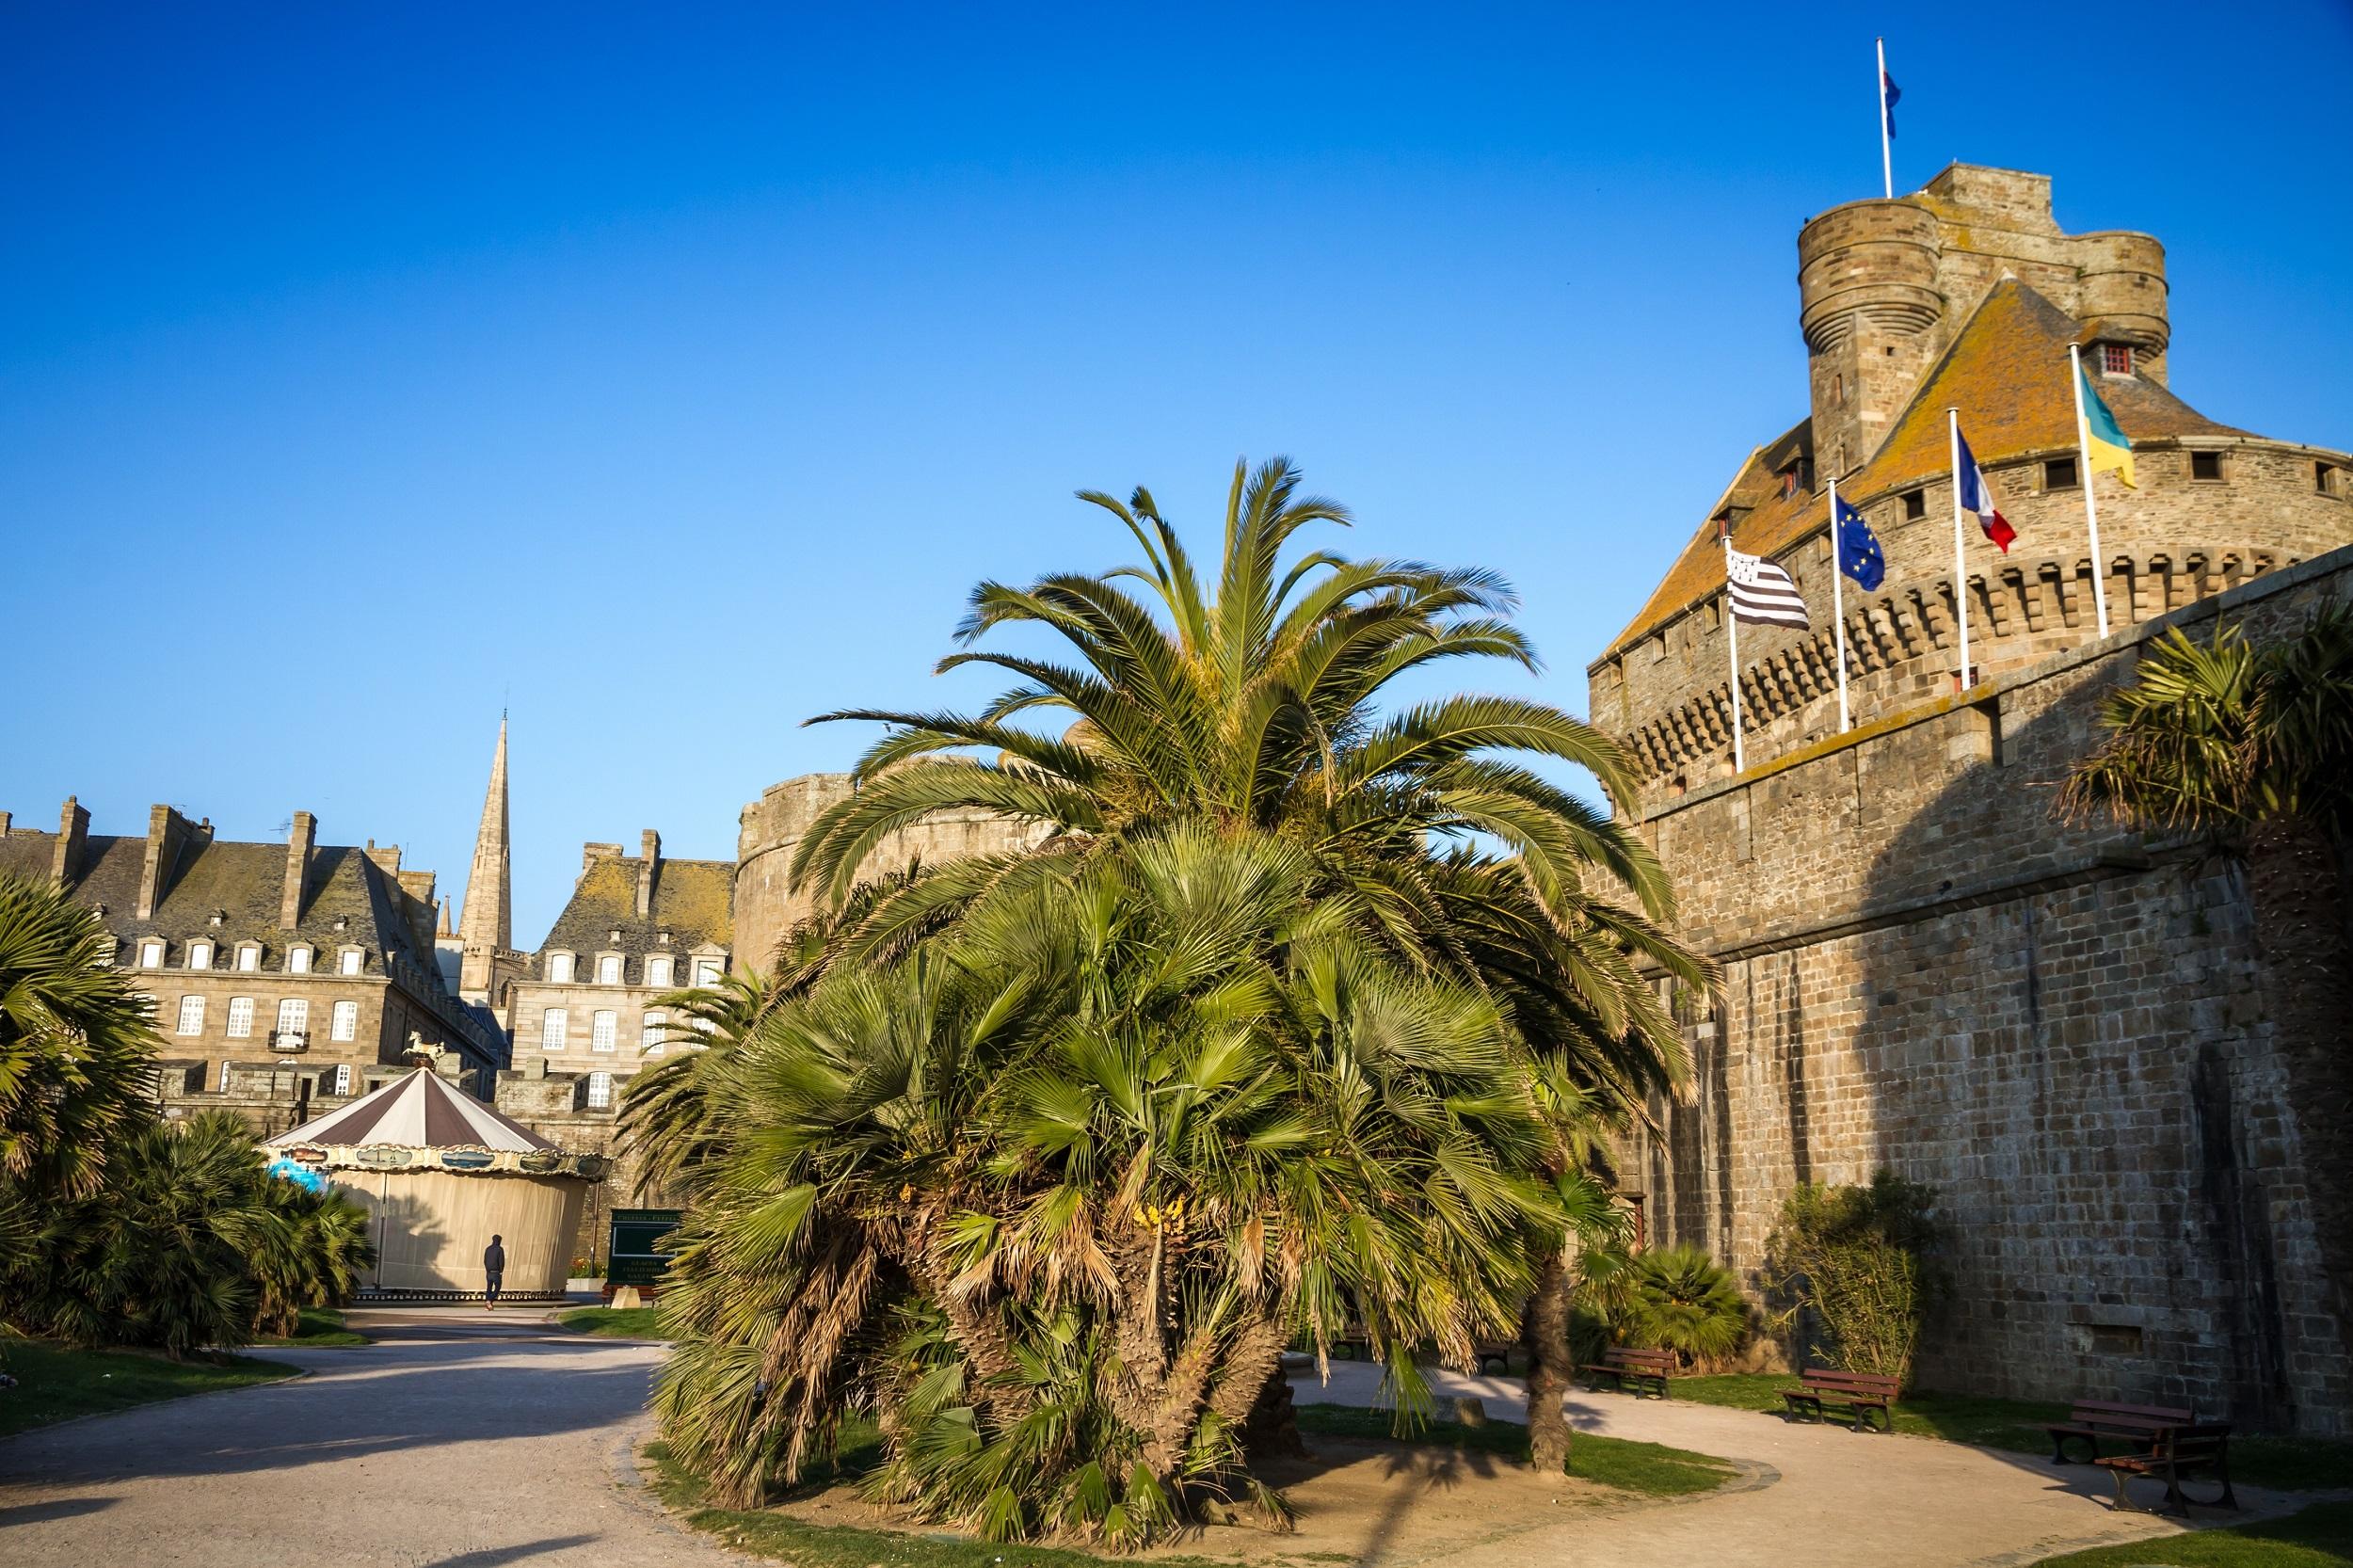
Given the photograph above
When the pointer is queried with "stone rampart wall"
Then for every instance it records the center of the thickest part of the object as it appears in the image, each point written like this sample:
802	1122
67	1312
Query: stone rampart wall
2063	1029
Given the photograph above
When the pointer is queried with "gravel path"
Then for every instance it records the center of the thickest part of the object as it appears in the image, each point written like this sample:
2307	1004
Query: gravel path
472	1440
1830	1498
469	1440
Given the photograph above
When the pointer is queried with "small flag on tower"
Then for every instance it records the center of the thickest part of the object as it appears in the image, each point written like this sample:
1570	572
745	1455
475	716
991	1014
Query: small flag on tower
1889	93
1976	495
2104	439
1859	555
1762	592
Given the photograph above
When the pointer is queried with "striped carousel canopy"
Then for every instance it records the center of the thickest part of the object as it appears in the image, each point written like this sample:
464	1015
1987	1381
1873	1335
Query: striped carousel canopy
422	1110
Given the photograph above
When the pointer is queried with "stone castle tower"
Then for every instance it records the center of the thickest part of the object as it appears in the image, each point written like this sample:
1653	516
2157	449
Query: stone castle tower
2066	1030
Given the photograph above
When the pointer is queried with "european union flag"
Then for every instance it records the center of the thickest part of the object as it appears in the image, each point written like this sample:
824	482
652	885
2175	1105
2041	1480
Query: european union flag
1859	555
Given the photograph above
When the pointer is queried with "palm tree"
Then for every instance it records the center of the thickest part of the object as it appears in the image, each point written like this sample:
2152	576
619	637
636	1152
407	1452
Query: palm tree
2250	748
1052	1193
77	1044
1258	708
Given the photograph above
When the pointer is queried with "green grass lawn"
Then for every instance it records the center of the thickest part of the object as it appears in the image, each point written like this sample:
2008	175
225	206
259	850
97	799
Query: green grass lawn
615	1322
2290	1464
1650	1469
54	1384
320	1326
2320	1537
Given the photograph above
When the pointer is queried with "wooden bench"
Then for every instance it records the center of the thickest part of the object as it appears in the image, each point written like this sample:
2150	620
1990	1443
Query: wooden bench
1821	1390
2174	1455
1631	1372
1498	1353
2136	1426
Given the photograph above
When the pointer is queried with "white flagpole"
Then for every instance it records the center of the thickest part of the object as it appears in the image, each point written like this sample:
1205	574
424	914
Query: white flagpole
1732	634
1878	96
1838	601
2083	476
1961	582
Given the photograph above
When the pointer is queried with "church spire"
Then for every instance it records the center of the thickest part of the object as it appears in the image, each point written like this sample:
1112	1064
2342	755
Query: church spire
488	926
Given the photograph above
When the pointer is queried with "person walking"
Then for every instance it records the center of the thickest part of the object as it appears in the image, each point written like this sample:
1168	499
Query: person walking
493	1268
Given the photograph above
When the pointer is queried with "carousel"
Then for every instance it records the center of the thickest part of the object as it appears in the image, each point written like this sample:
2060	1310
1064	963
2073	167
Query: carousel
439	1173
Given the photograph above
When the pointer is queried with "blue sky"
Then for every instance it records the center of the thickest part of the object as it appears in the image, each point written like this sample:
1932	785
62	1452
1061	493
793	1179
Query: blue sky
671	379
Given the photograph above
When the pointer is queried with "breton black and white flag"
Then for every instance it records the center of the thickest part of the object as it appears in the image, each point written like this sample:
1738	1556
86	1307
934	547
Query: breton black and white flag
1762	592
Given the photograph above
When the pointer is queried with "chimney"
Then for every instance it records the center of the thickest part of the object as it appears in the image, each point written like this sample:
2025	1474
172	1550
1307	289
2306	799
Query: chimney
166	836
591	854
65	861
646	865
299	842
3	824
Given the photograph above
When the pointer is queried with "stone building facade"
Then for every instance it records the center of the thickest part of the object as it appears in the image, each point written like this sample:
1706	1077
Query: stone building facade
2063	1029
285	978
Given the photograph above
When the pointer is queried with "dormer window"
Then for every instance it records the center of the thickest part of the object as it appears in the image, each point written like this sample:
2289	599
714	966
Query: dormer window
2116	358
150	956
349	960
249	957
658	971
609	970
200	955
559	969
298	960
707	971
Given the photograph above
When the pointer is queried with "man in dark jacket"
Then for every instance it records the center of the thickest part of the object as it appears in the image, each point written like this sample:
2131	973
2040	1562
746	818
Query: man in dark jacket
493	1267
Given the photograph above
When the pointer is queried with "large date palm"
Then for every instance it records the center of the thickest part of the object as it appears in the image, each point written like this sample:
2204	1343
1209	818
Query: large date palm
1051	1195
1257	704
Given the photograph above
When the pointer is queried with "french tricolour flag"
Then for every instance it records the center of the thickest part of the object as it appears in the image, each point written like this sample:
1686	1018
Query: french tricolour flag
1977	496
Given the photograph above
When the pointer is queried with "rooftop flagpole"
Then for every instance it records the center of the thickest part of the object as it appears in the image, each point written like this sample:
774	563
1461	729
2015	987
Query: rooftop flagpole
1838	601
1732	634
1961	581
1879	95
2083	473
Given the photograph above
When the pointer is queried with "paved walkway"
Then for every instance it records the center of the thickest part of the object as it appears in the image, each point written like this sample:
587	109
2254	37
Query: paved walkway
462	1440
1822	1495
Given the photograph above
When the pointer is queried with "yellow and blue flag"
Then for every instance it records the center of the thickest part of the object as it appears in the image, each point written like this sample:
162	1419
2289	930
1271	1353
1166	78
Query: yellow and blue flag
2103	439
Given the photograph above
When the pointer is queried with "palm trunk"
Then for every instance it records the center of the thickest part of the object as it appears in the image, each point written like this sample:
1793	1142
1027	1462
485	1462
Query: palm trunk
2295	883
1546	1334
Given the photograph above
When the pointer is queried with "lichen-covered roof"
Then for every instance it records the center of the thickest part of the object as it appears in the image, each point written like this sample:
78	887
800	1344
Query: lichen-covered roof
692	901
244	885
2006	371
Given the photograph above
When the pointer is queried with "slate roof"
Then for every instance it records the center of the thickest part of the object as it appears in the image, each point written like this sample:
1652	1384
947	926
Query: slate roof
2006	370
693	900
244	883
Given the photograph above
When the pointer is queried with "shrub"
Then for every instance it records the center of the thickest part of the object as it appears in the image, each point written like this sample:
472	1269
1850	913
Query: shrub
1855	1271
1679	1299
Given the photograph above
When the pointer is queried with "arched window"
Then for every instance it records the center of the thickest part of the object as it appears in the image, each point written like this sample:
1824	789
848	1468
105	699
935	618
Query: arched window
609	970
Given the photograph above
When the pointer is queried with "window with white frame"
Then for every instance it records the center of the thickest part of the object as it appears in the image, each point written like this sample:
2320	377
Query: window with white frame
609	970
649	1032
601	1030
249	959
706	971
346	1024
559	969
200	955
241	1017
150	956
191	1016
343	1077
552	1026
351	961
294	1018
298	960
600	1091
224	1075
657	972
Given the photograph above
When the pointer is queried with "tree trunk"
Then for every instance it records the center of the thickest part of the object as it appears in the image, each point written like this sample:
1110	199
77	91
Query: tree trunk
1547	1339
2295	883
